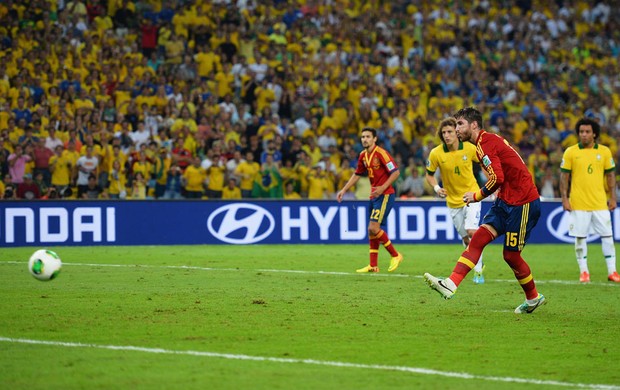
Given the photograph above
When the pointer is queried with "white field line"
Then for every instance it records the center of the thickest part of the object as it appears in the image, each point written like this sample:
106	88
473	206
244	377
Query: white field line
291	271
413	370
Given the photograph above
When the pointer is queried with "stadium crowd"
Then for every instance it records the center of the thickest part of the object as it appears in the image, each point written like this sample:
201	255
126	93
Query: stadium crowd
266	99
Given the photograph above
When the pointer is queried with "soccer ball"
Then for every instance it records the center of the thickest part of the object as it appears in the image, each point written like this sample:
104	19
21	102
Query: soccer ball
44	264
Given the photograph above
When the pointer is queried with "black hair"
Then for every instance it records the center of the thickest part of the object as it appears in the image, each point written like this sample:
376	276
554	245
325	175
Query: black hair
596	128
470	114
372	130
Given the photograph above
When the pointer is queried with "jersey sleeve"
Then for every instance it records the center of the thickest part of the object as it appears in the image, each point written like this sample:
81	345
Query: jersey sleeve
610	165
493	165
361	169
432	162
567	160
388	161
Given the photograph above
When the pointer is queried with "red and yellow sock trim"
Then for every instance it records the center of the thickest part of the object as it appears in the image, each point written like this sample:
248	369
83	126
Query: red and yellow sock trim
526	280
466	262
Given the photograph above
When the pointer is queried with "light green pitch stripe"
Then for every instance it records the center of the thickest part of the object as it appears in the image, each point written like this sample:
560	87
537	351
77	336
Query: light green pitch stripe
413	370
291	271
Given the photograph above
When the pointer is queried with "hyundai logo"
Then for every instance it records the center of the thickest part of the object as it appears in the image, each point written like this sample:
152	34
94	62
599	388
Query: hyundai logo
240	223
558	223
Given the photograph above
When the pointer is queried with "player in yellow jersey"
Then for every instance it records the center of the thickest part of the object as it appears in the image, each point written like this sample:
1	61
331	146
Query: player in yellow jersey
454	159
589	166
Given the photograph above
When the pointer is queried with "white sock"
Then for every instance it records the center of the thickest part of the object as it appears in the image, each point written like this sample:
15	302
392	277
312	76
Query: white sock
532	301
451	285
609	251
479	265
581	251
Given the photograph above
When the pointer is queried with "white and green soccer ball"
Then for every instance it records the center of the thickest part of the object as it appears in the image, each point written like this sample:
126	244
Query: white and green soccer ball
44	264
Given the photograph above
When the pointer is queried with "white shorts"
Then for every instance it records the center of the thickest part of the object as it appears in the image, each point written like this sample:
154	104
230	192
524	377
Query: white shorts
581	223
466	218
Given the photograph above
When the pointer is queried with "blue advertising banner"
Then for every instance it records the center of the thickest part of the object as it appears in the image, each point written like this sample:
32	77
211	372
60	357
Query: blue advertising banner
49	223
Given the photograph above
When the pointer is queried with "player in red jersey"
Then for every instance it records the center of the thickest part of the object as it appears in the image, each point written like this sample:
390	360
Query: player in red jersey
376	163
514	213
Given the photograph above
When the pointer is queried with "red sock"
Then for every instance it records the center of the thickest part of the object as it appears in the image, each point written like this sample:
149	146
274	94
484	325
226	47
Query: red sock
522	273
374	251
471	255
385	240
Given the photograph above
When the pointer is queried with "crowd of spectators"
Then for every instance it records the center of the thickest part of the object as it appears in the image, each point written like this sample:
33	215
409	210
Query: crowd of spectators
266	99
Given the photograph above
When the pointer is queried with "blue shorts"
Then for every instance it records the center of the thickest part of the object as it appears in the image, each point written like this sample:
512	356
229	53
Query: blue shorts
380	208
516	222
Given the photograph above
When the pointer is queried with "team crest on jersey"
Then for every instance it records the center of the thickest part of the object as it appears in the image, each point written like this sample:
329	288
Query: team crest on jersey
464	158
486	161
376	163
598	157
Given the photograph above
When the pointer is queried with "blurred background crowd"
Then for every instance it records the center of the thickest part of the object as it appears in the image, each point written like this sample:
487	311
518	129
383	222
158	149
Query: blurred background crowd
266	99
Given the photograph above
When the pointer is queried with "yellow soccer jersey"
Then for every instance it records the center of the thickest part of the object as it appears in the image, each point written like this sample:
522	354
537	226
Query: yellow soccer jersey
195	177
587	167
456	169
228	193
61	172
247	171
216	177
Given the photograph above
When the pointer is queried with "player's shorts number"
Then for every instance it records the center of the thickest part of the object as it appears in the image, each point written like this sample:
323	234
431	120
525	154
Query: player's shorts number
375	214
512	239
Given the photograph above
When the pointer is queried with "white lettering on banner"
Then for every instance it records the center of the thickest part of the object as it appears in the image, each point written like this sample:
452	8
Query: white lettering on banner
616	223
391	226
80	226
439	219
419	227
84	220
289	223
324	221
45	214
346	233
9	223
111	224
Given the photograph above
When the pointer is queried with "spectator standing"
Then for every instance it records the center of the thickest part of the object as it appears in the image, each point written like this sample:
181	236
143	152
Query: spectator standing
193	180
247	171
174	183
86	166
17	164
42	157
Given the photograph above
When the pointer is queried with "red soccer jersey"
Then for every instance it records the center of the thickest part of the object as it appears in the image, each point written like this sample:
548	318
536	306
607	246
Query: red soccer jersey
506	170
378	165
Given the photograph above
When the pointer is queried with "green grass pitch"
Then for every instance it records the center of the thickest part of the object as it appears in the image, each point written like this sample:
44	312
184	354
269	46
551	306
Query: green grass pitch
298	317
